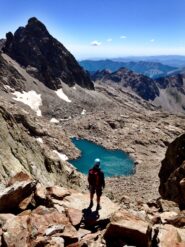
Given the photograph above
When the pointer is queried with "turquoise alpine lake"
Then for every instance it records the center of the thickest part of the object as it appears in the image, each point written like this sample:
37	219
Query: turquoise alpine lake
113	162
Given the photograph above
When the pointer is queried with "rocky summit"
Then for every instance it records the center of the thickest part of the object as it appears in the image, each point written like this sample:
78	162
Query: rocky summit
45	99
44	57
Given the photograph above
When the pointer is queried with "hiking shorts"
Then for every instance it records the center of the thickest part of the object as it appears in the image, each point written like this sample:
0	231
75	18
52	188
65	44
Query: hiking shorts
97	190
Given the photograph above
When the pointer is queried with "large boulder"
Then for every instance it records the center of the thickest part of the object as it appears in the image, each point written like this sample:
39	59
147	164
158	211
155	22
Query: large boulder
166	236
12	196
172	172
128	228
15	232
81	202
39	227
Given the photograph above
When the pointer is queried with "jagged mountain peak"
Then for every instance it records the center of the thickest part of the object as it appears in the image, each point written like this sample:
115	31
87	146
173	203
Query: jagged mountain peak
44	57
37	26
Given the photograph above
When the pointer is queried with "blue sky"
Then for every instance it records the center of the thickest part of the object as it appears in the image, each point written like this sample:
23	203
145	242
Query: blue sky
104	28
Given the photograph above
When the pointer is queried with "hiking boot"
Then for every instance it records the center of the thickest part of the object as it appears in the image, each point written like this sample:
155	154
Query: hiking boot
98	207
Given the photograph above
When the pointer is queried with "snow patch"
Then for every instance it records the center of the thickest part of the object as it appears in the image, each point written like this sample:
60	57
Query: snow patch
7	87
30	98
62	95
74	87
54	120
63	157
83	112
39	139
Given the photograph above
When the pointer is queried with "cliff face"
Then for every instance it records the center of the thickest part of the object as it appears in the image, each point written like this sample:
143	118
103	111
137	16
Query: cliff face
172	172
9	76
44	57
31	145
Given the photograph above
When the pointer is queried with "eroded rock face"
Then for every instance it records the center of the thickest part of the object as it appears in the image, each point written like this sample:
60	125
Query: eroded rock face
44	57
172	172
10	76
21	152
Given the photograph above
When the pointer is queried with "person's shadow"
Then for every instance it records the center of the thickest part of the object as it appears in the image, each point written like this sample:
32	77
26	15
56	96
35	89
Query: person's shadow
89	216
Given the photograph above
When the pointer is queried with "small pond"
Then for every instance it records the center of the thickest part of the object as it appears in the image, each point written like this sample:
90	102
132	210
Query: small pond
113	162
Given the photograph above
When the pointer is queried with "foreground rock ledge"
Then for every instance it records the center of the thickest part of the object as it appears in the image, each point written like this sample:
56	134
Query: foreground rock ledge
60	217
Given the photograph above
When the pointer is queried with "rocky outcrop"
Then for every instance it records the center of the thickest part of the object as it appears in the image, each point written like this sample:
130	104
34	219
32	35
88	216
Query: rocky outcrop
9	76
33	145
172	172
44	57
2	42
142	85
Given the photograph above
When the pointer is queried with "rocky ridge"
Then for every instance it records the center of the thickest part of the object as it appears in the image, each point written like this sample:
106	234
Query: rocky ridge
167	93
140	84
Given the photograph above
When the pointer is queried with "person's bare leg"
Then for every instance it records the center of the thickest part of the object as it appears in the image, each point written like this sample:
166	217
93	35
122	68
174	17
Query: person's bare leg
91	196
98	202
91	199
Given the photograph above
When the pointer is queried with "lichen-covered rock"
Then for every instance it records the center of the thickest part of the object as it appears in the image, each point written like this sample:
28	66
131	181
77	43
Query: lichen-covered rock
172	172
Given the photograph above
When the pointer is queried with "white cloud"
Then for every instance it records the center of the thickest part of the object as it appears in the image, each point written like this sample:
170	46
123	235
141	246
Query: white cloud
123	37
109	40
95	43
152	40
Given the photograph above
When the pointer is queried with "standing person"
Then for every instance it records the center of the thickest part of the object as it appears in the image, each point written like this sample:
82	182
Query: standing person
96	183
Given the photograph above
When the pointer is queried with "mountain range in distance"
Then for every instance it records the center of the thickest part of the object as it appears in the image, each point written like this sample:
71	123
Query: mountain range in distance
153	69
171	60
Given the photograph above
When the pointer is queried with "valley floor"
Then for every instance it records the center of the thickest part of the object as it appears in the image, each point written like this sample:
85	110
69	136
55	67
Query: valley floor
144	136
